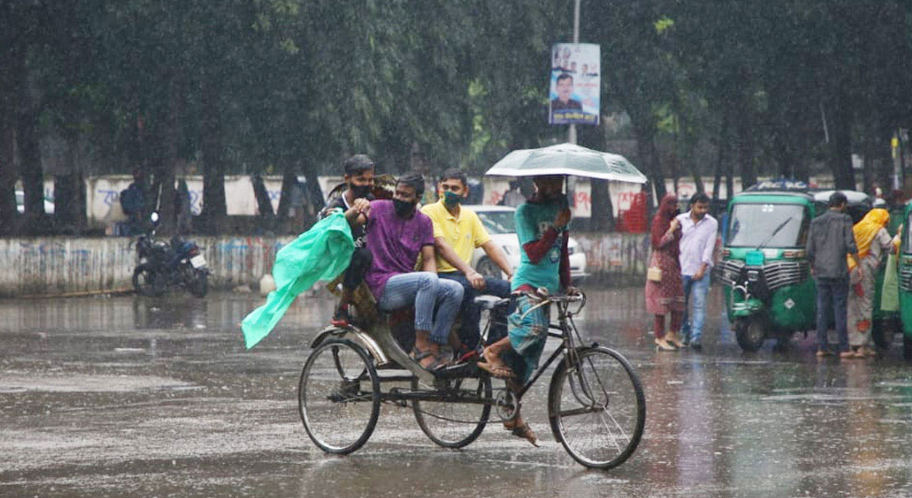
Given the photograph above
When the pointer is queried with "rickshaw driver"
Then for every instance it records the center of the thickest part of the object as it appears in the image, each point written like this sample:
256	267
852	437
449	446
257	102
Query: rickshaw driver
542	227
457	232
397	233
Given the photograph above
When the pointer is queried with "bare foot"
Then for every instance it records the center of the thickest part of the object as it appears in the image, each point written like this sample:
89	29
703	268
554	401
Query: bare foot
519	428
494	366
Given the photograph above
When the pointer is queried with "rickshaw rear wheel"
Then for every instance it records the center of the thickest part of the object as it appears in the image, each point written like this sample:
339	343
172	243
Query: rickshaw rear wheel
339	396
452	423
750	334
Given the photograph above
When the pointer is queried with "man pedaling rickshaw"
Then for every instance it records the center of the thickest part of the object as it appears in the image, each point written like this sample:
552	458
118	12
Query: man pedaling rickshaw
542	227
397	234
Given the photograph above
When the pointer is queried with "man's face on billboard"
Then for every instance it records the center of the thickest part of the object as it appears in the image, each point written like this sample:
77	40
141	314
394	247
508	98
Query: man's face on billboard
564	89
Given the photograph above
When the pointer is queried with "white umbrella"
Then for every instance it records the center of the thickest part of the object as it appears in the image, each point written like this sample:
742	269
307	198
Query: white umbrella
567	159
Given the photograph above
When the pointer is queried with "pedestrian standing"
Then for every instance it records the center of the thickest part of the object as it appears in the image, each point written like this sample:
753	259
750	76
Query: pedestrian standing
665	291
872	240
830	241
698	241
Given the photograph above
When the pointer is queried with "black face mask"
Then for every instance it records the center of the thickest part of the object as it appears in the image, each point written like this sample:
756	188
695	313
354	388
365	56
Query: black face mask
360	191
404	209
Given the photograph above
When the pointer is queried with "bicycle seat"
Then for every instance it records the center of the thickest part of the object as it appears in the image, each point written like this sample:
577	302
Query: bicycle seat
491	302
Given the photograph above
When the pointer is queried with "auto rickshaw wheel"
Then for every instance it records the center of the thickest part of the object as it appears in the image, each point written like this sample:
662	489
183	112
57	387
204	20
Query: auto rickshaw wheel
907	347
882	332
749	334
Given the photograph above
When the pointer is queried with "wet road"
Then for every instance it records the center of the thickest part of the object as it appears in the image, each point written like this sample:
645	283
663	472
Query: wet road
139	397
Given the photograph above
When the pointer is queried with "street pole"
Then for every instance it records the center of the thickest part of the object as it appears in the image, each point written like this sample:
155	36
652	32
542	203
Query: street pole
576	15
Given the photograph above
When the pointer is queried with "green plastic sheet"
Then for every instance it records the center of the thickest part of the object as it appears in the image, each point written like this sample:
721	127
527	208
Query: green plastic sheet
889	297
321	253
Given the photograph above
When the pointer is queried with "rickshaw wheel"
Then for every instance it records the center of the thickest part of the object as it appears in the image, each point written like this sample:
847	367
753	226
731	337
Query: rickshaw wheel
339	396
453	423
597	407
749	334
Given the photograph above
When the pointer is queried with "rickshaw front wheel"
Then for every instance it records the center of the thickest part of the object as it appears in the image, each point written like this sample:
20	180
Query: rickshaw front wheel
597	407
749	334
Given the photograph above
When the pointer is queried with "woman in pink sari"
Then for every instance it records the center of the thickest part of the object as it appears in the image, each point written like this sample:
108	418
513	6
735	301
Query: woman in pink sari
667	295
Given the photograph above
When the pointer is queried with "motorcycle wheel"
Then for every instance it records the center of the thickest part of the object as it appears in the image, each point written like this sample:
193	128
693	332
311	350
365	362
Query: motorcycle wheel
147	281
199	284
750	334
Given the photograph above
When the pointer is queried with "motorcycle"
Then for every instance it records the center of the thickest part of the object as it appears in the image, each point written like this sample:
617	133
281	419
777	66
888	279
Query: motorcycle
162	265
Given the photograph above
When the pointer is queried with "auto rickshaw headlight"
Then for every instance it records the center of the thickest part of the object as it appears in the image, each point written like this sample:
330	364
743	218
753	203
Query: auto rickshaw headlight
798	254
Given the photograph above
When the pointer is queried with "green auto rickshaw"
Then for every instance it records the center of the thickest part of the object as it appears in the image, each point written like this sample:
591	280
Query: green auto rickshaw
767	290
905	283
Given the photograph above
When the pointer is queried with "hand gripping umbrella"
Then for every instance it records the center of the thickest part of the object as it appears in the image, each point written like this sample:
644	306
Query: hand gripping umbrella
567	159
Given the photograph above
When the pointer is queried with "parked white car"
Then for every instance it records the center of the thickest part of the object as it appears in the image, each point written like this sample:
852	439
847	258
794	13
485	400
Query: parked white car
500	224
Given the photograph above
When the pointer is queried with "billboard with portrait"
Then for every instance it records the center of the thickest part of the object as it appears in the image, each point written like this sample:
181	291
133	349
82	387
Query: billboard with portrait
575	84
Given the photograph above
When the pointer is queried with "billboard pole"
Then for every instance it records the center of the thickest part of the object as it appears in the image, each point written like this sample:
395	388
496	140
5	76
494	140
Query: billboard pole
576	16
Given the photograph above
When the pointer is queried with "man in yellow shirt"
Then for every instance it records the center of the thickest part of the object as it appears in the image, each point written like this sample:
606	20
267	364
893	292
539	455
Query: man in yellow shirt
457	232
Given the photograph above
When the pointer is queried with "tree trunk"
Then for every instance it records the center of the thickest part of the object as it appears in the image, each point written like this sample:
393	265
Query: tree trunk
602	211
164	171
649	157
264	205
11	68
69	192
841	141
214	214
288	182
745	140
30	163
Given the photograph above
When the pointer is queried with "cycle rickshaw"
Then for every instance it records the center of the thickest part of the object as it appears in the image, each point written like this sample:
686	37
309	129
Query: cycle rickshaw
596	404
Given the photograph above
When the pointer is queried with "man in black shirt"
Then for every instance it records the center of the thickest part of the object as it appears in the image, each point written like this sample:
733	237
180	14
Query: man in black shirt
359	179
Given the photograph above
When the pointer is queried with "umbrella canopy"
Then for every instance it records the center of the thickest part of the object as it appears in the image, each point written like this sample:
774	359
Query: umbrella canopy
567	159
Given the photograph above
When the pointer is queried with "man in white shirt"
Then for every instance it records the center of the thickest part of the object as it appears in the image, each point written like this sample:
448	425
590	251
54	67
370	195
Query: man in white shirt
698	241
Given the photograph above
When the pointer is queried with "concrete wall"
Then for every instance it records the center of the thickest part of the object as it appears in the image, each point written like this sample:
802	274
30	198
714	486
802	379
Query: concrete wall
58	265
615	258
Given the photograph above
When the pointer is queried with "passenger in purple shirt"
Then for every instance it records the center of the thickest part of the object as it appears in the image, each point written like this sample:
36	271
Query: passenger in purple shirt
397	234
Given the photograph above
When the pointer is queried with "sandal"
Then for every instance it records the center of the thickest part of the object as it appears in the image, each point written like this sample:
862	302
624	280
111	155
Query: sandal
524	431
438	363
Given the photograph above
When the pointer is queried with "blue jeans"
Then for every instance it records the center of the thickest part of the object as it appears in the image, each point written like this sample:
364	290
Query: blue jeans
426	292
832	293
469	312
695	291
